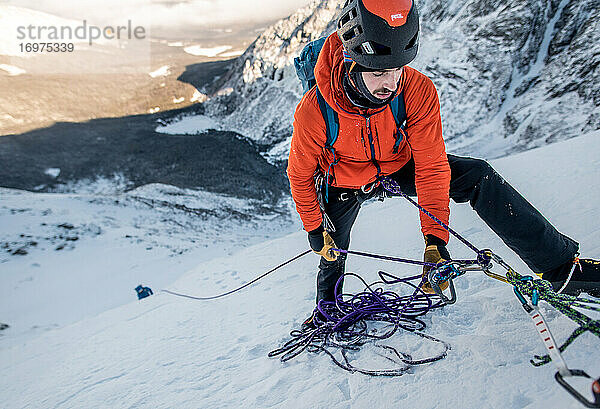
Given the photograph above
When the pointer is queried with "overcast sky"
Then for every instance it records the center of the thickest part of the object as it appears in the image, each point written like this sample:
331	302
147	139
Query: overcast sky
167	13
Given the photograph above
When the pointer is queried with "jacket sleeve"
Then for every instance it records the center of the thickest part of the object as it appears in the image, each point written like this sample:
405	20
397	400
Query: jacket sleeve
308	140
432	171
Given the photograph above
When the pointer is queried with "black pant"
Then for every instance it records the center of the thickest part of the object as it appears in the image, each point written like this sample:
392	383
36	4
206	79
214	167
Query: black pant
499	205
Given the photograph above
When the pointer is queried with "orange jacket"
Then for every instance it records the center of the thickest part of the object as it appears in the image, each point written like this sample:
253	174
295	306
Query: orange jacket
352	148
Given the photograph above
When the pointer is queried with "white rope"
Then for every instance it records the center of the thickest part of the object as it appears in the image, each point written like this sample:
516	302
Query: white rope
575	263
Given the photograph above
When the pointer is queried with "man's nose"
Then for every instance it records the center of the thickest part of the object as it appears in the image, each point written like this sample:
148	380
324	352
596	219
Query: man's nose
390	80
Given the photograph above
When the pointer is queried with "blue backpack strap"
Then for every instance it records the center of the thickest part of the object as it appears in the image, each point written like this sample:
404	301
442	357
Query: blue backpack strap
305	70
306	61
332	128
398	108
332	124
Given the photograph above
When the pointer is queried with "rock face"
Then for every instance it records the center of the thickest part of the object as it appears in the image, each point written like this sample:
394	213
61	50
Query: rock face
510	76
263	83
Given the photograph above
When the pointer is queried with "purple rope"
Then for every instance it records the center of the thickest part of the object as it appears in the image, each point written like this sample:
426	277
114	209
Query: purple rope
388	258
393	187
379	305
345	326
401	260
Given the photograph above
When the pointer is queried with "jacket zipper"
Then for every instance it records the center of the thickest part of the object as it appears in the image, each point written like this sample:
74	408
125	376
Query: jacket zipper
372	146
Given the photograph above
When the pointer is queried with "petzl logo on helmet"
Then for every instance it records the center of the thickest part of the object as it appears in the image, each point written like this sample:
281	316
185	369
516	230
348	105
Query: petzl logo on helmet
395	12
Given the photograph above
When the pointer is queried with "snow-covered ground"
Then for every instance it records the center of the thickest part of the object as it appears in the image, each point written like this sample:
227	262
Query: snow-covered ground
160	72
12	70
207	52
166	352
189	125
231	54
65	257
224	51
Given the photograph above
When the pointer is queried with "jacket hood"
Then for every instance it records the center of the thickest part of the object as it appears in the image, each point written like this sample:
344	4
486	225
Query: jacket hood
329	74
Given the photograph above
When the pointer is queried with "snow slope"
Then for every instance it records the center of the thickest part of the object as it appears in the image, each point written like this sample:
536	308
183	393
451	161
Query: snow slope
65	257
166	352
189	125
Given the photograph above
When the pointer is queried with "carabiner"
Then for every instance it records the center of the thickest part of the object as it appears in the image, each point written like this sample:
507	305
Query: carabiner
435	280
484	259
367	190
595	388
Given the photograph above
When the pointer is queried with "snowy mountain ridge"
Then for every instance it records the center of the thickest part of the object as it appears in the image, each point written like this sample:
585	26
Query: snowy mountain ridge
510	76
265	89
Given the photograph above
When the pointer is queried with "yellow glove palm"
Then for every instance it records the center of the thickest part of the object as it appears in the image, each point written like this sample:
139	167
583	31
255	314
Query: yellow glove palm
321	243
432	255
328	244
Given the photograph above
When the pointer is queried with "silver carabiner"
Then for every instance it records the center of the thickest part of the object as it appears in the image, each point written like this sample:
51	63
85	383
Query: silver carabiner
364	189
435	281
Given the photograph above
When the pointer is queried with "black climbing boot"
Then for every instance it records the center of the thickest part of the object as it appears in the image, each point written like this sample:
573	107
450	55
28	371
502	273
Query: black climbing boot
585	278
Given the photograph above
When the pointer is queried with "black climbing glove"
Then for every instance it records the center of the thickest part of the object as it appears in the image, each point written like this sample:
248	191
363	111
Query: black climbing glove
435	252
321	243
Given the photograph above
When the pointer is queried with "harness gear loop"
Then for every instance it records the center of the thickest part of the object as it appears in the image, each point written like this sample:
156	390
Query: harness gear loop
368	188
328	173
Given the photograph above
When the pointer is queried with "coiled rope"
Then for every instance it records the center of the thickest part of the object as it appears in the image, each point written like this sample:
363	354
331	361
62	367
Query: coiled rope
348	325
345	326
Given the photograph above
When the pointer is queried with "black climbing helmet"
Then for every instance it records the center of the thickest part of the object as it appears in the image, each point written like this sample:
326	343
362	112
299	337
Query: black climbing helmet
379	34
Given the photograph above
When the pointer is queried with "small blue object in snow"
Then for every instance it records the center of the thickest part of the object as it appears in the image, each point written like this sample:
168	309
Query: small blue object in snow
143	292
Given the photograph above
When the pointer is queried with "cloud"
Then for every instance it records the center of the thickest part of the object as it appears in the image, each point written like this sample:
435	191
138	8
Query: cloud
167	13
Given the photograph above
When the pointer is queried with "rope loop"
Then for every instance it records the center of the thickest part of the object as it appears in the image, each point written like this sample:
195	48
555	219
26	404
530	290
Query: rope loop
368	317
